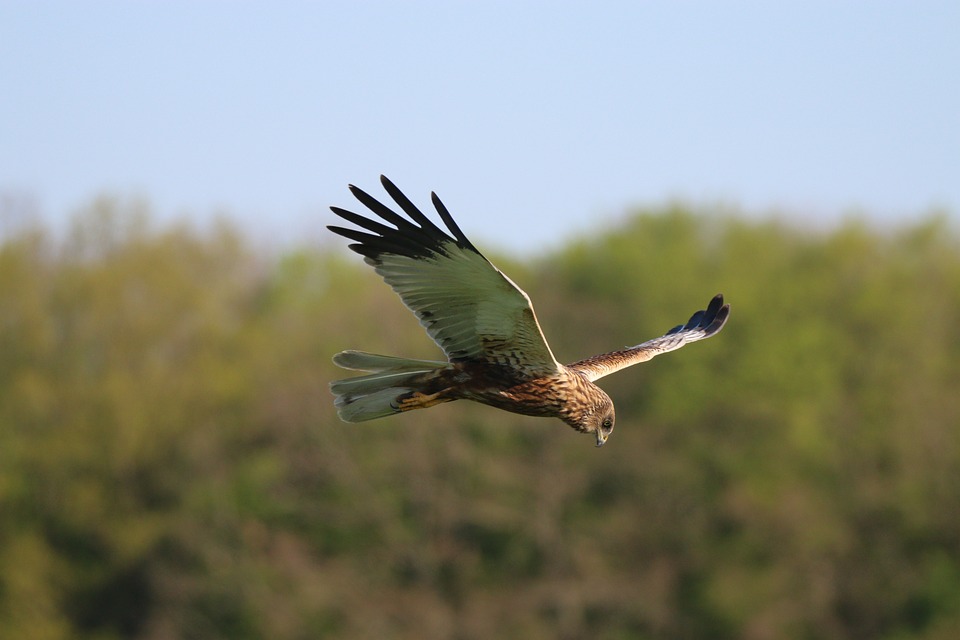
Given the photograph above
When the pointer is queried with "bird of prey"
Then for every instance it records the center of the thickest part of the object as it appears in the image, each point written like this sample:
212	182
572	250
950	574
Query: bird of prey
485	325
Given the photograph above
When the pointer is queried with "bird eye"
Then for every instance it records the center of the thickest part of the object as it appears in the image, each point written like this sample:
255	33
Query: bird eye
607	423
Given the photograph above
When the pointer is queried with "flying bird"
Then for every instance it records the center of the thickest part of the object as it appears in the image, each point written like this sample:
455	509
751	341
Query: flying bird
484	323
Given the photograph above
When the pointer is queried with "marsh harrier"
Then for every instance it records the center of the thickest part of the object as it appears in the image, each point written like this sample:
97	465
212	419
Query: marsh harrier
485	325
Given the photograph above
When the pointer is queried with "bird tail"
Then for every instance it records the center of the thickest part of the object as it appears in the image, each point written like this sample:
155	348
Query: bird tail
393	385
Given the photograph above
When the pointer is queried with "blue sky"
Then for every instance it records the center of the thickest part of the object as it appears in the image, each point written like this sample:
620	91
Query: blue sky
532	120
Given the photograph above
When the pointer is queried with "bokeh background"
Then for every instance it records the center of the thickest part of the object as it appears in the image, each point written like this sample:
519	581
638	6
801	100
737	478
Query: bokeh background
170	462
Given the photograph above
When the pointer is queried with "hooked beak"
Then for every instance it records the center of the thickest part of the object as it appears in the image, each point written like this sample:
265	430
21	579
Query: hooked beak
600	438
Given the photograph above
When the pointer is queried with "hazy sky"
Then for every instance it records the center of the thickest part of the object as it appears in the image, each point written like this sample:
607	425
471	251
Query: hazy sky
530	119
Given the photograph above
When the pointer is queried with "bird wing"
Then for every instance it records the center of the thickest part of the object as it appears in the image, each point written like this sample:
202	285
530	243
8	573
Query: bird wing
703	324
468	306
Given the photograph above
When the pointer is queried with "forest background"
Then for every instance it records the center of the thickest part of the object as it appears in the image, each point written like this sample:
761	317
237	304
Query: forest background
171	465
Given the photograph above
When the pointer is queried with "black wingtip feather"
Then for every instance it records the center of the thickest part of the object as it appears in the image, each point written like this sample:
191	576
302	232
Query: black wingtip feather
716	316
374	245
721	319
360	221
695	320
414	237
378	207
450	222
709	320
715	303
408	207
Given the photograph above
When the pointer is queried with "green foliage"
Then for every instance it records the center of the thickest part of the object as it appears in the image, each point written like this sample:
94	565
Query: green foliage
171	464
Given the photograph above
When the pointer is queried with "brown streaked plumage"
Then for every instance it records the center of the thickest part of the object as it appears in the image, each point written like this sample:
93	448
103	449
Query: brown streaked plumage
485	325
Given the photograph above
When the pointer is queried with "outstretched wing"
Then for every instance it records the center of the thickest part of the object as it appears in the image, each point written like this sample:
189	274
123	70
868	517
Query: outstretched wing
702	324
467	305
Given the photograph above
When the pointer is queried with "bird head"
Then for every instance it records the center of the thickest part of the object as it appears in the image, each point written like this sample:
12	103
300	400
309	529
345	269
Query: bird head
603	426
596	418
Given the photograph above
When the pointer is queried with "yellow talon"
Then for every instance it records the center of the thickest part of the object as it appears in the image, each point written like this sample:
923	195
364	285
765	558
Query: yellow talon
418	400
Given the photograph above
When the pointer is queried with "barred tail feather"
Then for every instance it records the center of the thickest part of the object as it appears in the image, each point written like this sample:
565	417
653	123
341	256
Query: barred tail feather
376	394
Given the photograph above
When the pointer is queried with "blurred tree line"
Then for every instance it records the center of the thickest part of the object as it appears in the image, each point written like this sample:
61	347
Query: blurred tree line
171	465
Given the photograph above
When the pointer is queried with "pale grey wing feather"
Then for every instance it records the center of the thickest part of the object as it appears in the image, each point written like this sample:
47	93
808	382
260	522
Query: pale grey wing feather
703	324
468	306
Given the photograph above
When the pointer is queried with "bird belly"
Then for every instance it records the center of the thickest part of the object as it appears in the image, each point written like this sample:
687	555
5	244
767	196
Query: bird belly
534	398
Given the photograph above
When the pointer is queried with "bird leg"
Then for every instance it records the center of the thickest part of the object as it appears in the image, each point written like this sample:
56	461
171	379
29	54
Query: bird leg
417	400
